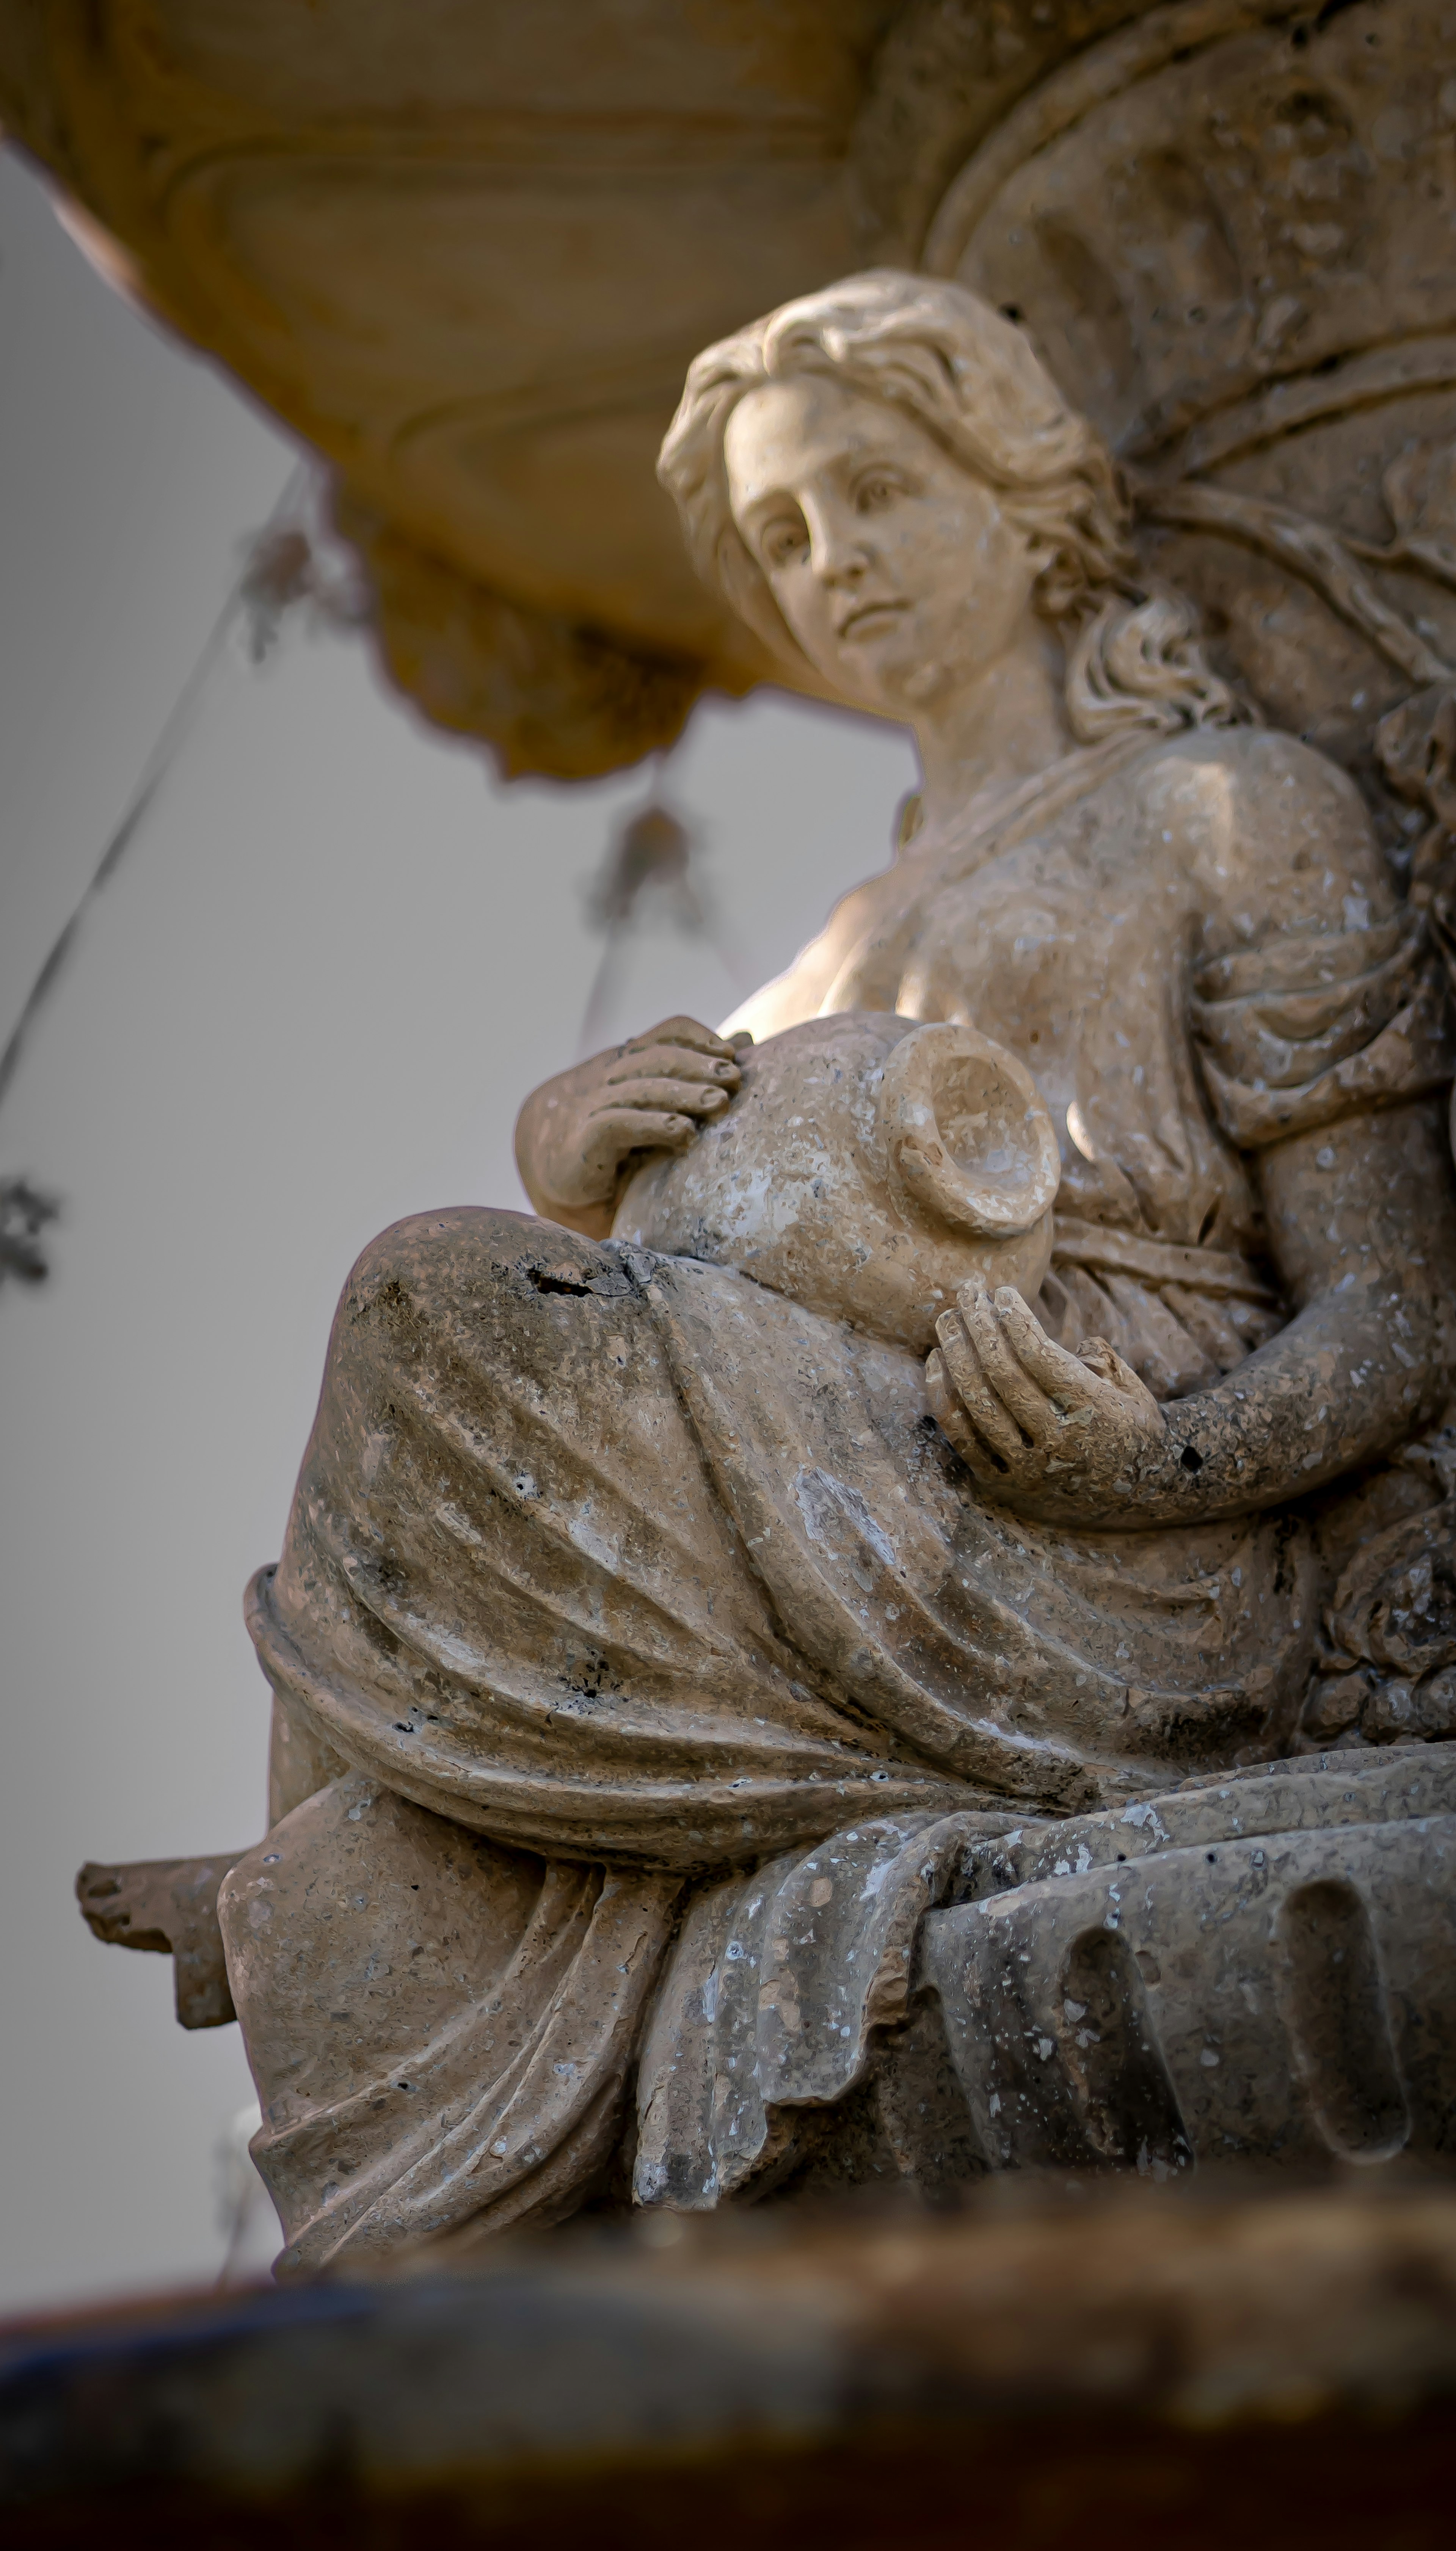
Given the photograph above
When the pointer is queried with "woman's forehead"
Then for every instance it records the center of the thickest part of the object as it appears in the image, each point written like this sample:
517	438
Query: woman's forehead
785	432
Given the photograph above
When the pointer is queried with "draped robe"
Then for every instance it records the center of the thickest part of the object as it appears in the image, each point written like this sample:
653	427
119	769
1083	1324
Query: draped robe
651	1654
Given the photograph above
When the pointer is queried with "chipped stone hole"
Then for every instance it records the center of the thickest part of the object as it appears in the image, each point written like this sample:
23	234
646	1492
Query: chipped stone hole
544	1280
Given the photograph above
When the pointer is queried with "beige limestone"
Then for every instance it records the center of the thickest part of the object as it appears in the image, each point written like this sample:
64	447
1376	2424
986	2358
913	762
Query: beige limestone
676	1547
465	251
169	1907
868	1167
753	1685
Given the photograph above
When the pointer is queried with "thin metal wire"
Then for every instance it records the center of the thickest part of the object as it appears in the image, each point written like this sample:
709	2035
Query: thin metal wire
155	771
648	862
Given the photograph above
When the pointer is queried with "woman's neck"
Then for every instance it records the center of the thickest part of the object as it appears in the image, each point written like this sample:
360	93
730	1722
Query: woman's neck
982	737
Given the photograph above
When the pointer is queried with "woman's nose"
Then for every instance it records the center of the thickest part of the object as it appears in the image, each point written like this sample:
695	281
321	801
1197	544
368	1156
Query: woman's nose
841	561
838	550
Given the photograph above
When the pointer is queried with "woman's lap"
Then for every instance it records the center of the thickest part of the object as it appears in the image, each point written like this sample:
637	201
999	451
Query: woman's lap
509	1587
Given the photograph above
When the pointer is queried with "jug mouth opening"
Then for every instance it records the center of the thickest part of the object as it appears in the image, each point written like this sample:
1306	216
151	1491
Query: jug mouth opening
967	1132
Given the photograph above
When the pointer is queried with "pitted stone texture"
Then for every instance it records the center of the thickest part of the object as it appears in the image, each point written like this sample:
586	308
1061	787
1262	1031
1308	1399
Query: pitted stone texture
654	1574
1312	1792
1252	1991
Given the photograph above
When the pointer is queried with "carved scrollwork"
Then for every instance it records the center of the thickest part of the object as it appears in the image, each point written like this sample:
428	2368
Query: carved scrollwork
1325	558
1414	744
1390	1669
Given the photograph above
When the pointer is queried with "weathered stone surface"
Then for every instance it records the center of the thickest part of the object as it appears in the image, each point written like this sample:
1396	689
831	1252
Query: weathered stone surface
1220	1987
169	1907
465	253
743	1630
868	1167
1227	223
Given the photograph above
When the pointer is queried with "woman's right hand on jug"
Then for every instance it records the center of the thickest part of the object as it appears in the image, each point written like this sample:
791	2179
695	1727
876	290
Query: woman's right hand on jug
576	1133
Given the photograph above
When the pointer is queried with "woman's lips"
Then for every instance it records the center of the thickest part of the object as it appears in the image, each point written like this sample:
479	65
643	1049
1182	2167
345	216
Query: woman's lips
867	616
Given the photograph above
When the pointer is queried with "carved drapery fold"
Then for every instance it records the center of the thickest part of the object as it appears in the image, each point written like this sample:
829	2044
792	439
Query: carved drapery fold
1304	1030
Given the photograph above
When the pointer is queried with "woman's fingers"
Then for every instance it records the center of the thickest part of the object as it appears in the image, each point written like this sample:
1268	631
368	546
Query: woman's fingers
995	1380
672	1063
1095	1378
991	1470
968	1376
1135	1401
1059	1377
640	1129
687	1033
950	1416
1105	1361
1019	1391
675	1097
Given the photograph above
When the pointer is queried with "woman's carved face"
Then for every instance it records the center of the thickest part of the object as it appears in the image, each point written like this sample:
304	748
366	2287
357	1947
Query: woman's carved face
896	569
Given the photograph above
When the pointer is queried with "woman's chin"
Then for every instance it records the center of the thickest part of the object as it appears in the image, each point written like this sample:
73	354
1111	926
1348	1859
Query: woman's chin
886	675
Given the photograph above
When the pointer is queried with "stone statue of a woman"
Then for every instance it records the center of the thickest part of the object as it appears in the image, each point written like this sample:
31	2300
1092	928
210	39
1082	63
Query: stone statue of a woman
727	1624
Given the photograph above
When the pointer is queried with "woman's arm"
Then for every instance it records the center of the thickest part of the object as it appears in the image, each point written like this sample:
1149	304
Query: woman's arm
1303	971
1362	1222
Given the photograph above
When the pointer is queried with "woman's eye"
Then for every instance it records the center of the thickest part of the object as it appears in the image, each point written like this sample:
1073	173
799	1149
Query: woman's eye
784	541
874	494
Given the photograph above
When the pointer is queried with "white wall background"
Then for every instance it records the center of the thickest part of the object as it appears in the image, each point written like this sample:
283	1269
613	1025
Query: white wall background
332	965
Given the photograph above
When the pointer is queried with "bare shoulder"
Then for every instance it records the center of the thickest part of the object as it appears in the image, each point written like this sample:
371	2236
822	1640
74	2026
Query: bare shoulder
798	993
1279	836
1253	772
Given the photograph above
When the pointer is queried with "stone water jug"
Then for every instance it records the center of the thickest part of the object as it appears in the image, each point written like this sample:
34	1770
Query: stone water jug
867	1167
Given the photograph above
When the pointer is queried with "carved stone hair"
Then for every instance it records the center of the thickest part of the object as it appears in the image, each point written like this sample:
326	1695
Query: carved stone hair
971	379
